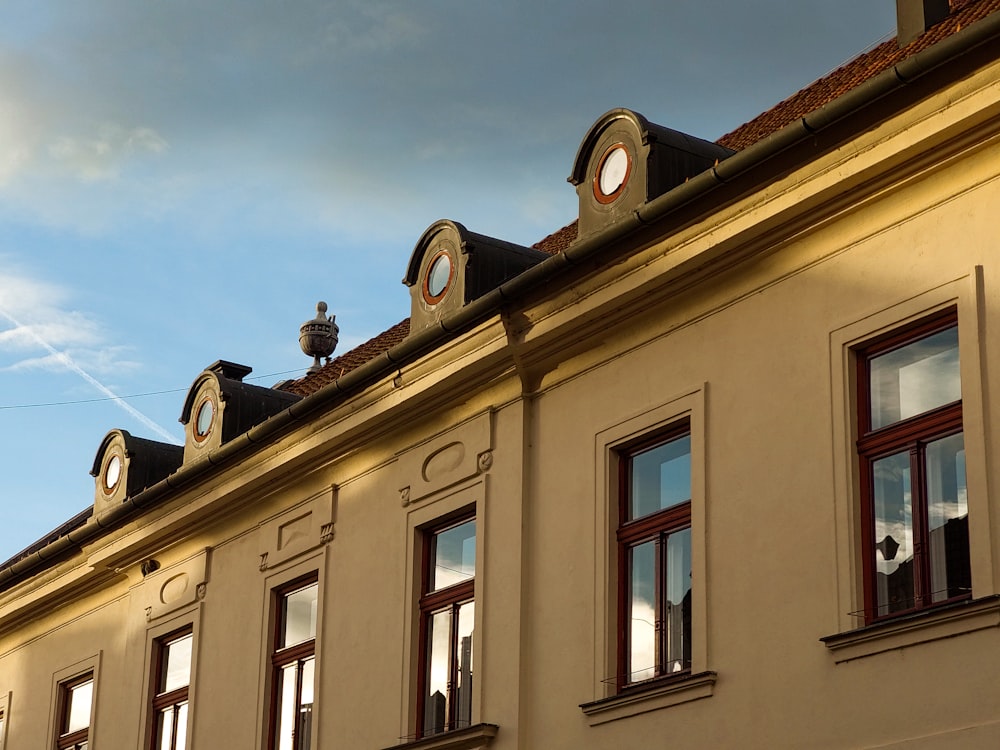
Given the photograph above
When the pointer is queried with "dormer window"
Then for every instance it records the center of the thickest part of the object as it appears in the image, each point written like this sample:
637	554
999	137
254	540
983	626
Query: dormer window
204	419
438	278
625	161
112	473
451	266
612	173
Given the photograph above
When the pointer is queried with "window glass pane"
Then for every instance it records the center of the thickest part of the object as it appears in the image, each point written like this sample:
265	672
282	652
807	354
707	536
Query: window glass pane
182	726
285	736
947	519
463	680
304	729
165	728
677	602
299	615
176	664
661	477
78	702
893	533
642	612
454	555
438	672
915	378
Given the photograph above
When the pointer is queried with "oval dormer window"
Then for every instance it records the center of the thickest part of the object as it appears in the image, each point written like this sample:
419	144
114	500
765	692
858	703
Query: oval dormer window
439	274
203	420
112	473
613	172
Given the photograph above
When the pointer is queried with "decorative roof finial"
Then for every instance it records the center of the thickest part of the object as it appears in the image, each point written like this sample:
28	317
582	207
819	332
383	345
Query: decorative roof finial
318	337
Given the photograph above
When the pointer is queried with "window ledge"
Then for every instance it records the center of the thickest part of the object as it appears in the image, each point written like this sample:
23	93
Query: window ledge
932	625
476	737
657	695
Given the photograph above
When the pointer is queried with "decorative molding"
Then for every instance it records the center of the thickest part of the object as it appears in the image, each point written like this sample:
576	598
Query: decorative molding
476	737
298	530
174	587
450	457
652	697
941	622
326	533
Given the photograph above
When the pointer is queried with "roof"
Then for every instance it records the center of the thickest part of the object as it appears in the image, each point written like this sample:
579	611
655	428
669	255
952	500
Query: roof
852	74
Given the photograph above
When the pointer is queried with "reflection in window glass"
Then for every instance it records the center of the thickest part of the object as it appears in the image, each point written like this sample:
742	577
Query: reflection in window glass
454	556
947	519
299	616
661	477
654	543
642	649
294	663
78	704
447	623
893	533
912	459
171	699
915	378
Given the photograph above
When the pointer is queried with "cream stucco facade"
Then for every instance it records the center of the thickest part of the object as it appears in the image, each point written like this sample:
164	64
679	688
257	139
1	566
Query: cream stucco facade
738	313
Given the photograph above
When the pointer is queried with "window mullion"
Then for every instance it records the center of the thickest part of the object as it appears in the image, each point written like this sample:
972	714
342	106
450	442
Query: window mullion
918	504
659	584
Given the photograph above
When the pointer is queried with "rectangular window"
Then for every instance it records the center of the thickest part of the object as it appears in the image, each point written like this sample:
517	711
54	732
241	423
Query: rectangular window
447	615
654	557
293	661
76	699
170	697
2	726
915	532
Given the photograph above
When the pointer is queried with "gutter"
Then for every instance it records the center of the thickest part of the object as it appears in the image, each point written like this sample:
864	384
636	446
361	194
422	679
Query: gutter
892	79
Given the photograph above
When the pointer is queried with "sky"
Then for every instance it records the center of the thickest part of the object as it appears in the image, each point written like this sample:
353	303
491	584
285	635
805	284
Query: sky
181	181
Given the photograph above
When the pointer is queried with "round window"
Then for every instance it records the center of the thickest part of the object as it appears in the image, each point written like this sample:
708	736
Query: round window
203	421
612	173
438	277
112	473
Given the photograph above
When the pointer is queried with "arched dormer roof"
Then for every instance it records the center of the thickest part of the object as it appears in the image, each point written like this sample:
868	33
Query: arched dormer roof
625	160
126	465
451	266
219	407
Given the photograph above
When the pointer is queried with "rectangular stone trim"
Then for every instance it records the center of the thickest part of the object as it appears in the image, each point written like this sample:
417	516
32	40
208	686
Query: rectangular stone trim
932	625
476	737
299	530
170	589
445	460
660	694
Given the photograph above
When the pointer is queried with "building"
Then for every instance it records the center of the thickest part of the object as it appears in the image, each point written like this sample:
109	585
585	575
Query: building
710	468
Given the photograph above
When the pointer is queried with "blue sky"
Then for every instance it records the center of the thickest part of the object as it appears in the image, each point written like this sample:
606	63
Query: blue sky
181	181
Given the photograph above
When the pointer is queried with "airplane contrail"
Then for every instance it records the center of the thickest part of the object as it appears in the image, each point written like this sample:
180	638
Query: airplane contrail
73	366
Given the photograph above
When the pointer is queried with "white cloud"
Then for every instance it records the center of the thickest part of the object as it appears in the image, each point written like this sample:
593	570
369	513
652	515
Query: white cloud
100	156
34	311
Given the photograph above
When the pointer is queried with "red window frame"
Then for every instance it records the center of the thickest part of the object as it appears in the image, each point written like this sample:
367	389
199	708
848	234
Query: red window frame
912	434
170	699
281	657
79	739
432	602
655	527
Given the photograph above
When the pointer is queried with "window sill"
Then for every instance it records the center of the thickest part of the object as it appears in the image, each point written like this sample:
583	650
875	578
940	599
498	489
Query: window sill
657	695
476	737
922	627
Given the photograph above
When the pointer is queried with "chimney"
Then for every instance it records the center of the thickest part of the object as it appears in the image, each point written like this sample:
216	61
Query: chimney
914	17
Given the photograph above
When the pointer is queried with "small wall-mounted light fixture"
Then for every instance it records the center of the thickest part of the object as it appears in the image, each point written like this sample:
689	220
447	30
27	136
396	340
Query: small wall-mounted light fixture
149	566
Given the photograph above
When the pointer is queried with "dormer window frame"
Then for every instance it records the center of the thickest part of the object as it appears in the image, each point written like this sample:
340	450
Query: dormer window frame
599	192
201	435
429	296
114	458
